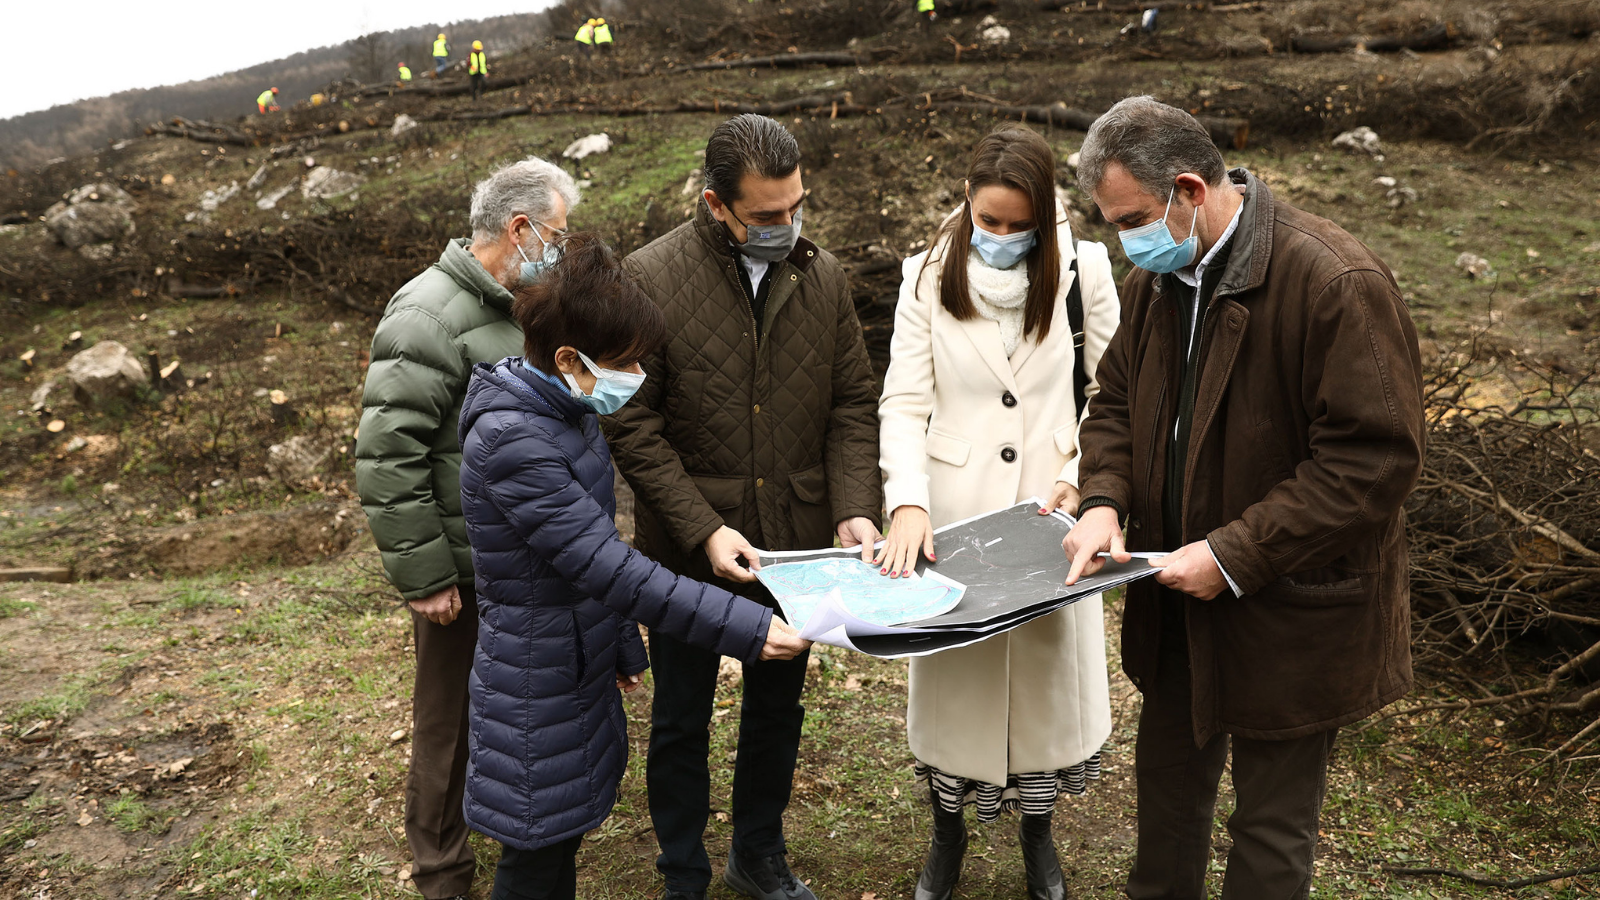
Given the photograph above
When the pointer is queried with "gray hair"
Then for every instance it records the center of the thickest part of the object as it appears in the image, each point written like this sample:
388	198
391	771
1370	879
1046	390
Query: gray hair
527	187
1155	142
748	143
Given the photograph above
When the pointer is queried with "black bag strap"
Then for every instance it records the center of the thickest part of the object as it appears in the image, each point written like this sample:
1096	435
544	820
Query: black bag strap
1080	374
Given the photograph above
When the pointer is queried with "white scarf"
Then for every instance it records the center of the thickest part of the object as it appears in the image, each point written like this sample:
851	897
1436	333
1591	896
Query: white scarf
999	295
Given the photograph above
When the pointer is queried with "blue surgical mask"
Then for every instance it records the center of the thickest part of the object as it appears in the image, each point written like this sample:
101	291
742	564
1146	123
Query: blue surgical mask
769	242
1002	251
1152	248
612	388
533	269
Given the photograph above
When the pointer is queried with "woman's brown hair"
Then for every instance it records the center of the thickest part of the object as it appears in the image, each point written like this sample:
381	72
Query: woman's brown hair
1015	157
586	301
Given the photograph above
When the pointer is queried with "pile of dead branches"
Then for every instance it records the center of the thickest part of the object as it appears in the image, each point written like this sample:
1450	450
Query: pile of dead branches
1505	543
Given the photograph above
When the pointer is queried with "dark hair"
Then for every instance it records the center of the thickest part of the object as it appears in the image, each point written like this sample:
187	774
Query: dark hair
748	143
1155	142
1015	157
586	301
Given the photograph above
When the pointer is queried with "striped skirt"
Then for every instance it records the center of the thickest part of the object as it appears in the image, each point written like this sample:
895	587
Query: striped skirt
1031	793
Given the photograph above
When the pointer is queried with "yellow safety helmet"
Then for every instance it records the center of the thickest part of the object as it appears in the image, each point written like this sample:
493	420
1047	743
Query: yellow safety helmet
593	22
441	35
600	21
477	45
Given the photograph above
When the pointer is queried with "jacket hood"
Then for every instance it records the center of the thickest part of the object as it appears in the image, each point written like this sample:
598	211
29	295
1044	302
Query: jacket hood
507	386
459	263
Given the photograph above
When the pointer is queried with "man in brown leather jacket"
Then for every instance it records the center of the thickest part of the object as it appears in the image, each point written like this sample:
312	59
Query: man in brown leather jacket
1259	418
757	427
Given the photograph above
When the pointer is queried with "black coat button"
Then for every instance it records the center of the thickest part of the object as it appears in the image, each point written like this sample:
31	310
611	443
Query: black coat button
1008	398
1008	454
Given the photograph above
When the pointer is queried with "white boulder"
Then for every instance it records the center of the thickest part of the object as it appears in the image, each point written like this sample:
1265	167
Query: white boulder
105	370
587	146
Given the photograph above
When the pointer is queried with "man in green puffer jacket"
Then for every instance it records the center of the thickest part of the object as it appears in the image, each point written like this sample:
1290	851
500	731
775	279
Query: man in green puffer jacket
454	315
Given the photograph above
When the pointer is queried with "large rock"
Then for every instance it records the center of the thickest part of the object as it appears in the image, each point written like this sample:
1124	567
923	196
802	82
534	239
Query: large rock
402	124
297	461
104	371
325	182
587	146
92	214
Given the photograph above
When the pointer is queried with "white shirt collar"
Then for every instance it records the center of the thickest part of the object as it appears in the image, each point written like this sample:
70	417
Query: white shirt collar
1192	276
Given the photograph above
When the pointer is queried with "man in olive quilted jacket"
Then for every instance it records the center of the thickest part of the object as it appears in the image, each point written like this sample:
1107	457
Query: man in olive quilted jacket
408	460
757	427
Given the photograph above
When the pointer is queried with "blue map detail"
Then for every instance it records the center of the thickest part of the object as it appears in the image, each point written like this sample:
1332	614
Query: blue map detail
871	597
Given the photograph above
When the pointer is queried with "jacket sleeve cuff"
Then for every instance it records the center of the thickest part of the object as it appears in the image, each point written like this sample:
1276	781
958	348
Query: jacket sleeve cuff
690	541
746	647
1232	585
1091	502
1246	567
899	493
631	657
1069	472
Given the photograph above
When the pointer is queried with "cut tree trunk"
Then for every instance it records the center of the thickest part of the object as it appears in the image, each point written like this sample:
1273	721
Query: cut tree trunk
1438	37
781	61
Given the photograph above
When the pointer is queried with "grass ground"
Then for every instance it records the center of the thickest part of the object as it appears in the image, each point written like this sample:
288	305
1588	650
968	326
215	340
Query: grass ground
244	733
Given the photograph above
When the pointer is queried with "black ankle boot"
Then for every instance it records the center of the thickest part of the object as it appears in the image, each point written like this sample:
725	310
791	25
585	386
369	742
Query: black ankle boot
943	867
1039	860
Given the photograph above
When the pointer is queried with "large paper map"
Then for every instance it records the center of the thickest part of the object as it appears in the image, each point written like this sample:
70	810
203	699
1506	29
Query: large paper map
1005	569
801	586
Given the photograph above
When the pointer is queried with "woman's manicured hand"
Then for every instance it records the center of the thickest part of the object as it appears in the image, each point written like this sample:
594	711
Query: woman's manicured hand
629	683
783	642
910	532
1063	497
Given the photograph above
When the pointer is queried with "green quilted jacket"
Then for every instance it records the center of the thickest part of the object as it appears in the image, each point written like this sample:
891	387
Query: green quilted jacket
408	459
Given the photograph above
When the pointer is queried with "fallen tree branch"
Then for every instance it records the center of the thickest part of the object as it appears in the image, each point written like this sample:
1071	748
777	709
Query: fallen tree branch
780	61
1486	881
1438	37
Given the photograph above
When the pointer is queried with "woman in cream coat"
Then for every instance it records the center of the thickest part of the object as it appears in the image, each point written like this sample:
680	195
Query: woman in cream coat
978	414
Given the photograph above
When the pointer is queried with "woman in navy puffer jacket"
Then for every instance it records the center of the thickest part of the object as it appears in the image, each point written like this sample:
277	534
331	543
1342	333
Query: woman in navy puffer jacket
559	593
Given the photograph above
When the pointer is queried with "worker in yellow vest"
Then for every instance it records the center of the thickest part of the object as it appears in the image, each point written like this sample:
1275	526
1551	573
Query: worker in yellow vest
405	73
585	37
268	101
441	55
477	68
926	11
602	35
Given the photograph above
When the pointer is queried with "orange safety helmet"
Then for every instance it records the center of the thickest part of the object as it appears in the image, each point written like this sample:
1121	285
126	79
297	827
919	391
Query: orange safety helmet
274	90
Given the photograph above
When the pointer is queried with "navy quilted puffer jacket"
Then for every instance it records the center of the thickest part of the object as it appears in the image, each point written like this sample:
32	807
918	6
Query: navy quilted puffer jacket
558	597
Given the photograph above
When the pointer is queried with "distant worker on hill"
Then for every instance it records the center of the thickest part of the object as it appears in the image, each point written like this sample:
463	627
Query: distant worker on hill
441	55
268	101
602	35
477	68
585	37
926	11
405	73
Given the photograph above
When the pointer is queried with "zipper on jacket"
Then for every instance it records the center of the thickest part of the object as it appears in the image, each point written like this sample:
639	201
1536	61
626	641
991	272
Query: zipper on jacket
749	303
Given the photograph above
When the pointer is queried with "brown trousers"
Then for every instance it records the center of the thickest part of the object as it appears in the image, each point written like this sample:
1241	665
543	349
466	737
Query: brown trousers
442	863
1279	786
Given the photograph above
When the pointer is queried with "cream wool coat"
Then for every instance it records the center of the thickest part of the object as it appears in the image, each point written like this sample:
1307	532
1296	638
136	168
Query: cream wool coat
1034	699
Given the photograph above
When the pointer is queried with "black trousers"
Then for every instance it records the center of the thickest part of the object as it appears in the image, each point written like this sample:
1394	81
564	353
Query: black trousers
548	873
677	773
1279	786
436	827
477	85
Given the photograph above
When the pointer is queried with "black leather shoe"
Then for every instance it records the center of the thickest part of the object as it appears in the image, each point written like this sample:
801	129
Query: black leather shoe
683	895
942	869
1039	860
766	878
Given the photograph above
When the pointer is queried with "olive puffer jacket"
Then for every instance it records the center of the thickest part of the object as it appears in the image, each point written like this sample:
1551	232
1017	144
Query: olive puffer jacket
407	457
558	597
773	433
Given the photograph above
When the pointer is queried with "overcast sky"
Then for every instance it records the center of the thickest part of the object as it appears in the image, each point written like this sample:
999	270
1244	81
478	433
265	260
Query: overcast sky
65	50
